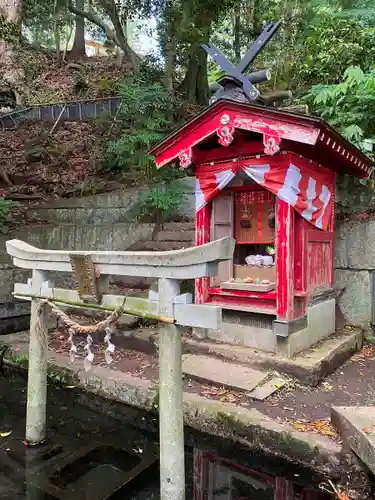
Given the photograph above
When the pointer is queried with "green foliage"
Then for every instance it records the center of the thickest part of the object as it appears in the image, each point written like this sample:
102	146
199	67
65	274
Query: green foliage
57	379
163	202
151	69
44	18
6	207
146	116
317	41
332	45
9	32
349	106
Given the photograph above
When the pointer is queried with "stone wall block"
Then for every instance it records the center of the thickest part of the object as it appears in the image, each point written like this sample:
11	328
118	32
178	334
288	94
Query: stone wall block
355	301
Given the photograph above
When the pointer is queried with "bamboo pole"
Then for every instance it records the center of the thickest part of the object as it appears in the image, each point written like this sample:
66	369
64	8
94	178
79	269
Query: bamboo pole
72	303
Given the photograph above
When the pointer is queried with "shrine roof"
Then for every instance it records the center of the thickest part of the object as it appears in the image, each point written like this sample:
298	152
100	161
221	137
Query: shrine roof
309	136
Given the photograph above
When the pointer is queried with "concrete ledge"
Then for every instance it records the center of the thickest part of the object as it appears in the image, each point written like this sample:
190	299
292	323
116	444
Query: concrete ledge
356	428
286	328
320	325
311	367
246	426
259	432
236	334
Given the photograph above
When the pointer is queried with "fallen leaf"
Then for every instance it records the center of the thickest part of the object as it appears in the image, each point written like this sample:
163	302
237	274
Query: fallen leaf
322	427
5	434
367	352
279	385
231	398
298	427
367	430
69	386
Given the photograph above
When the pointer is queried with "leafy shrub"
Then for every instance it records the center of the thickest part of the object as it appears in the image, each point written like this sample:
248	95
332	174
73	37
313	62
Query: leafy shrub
6	207
145	112
163	202
150	69
333	44
349	106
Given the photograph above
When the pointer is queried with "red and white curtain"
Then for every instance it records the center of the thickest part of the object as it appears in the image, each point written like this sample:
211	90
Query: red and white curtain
306	186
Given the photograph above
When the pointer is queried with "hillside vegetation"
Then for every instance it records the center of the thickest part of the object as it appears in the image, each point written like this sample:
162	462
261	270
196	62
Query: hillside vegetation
324	53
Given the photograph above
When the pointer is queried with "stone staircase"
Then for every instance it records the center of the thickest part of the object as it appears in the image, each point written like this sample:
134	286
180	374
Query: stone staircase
169	236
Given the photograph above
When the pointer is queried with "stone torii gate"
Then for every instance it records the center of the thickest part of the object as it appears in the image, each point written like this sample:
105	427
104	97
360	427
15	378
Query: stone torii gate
92	270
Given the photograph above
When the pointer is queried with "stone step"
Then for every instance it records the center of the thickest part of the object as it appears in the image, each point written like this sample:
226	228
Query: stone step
222	372
310	366
187	235
178	226
356	426
262	392
160	246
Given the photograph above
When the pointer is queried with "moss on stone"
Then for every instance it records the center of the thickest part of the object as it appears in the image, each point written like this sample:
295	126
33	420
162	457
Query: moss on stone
20	360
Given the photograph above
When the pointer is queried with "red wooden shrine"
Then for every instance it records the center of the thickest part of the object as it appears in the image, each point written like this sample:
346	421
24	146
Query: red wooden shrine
267	178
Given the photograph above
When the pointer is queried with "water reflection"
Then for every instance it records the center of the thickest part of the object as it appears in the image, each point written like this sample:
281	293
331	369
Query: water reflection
91	456
87	455
218	478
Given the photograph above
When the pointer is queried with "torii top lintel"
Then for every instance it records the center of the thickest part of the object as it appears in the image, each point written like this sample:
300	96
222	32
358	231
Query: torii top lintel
276	129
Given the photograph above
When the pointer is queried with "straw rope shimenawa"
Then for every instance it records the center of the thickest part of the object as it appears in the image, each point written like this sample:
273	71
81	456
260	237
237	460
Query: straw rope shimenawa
111	320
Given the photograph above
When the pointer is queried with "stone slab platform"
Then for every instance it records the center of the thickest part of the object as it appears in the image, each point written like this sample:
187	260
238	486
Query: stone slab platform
356	425
311	366
221	372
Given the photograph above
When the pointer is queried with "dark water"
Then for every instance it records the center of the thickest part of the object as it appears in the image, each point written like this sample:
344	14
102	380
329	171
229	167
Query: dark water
87	456
97	449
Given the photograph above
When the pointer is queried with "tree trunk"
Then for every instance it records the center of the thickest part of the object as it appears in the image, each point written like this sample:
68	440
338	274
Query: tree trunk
195	84
116	35
170	63
257	19
10	72
121	30
56	34
68	40
79	48
236	37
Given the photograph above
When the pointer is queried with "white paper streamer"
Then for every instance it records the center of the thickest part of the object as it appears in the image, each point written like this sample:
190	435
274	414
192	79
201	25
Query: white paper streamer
87	362
110	347
73	347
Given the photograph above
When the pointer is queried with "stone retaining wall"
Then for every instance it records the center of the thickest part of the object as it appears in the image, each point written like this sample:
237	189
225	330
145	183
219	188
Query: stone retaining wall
98	222
355	264
118	236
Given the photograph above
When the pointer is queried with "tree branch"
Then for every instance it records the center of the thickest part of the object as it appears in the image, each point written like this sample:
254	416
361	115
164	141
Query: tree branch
92	17
112	12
